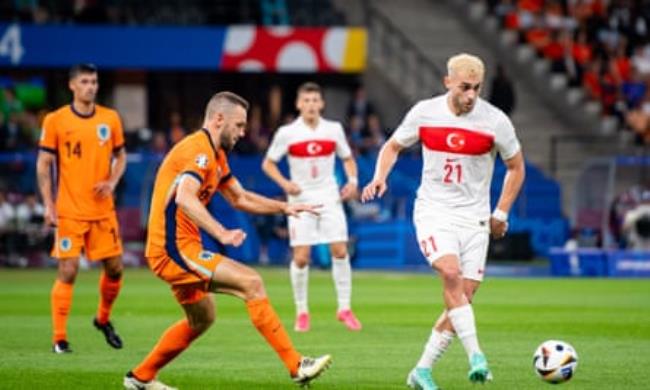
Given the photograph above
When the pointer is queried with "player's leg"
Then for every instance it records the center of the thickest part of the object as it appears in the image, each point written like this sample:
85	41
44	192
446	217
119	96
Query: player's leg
299	274
199	313
61	302
68	242
103	243
110	284
443	333
342	275
236	279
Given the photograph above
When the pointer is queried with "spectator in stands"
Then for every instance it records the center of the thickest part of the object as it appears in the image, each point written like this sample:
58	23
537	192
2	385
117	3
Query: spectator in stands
271	227
7	227
10	104
176	129
633	90
360	106
159	144
355	134
502	91
639	120
29	213
636	227
258	134
374	136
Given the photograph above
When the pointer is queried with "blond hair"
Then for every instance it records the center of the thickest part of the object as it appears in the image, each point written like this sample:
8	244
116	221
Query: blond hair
466	63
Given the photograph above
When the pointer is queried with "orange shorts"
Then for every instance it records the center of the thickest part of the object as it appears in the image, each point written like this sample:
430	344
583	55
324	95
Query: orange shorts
100	239
189	274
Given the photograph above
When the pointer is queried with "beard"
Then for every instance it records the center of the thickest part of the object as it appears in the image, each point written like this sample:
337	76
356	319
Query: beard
226	140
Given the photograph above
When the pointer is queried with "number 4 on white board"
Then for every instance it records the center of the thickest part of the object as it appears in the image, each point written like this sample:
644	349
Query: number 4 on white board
10	45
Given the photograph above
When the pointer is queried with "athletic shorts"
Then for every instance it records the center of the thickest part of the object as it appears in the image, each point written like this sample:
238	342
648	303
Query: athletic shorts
99	239
327	227
189	274
469	245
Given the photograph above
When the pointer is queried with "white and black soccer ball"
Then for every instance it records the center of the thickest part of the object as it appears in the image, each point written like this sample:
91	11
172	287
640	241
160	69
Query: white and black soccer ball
555	361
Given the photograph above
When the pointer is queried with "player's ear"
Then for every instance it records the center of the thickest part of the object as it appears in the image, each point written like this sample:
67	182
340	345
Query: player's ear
447	82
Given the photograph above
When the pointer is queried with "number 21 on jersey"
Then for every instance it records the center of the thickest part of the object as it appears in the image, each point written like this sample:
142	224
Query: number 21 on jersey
453	173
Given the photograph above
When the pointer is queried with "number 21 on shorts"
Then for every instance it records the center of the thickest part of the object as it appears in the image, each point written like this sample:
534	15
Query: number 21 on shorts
428	246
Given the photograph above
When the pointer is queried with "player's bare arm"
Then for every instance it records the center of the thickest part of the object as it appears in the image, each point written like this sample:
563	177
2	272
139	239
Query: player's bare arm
105	188
351	189
385	162
43	172
512	182
251	202
271	169
188	200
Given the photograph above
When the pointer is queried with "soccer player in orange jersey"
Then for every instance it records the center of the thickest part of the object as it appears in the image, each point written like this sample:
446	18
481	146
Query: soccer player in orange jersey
84	142
191	173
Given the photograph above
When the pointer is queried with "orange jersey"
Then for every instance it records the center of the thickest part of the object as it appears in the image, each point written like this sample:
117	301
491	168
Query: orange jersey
84	147
169	228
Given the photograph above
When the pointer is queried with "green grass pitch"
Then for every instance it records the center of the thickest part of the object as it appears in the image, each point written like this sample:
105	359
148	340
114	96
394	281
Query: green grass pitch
607	321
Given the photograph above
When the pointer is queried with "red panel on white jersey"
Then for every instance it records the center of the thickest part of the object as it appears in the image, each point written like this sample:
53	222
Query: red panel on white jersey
312	148
456	140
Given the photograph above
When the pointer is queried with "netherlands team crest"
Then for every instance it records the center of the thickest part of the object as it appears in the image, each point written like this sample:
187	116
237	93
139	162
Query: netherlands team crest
65	244
205	255
103	132
201	161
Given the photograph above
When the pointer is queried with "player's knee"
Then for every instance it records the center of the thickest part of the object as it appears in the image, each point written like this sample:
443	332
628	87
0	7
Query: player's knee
340	253
451	275
254	286
201	324
301	262
67	272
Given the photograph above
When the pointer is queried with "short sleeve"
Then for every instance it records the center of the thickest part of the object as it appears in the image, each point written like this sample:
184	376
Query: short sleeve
48	140
196	163
506	140
407	132
279	145
342	146
117	133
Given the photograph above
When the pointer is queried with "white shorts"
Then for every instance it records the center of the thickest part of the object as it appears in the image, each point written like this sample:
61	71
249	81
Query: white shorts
330	226
469	245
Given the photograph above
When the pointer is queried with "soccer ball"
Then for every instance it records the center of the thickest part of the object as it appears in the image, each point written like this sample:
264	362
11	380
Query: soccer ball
555	361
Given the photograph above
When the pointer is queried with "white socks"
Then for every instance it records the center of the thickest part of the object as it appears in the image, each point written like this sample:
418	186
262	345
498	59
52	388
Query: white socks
342	275
435	348
299	282
462	319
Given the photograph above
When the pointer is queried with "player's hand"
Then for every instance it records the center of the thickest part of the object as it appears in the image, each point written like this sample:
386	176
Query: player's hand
498	228
349	191
292	188
233	237
376	188
104	189
49	215
295	209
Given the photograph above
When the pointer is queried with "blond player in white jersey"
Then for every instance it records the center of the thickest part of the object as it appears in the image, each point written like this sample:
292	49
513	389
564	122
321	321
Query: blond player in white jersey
460	135
311	144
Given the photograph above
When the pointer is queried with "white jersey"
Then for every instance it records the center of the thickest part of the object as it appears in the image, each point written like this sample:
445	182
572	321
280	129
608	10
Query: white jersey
458	158
311	159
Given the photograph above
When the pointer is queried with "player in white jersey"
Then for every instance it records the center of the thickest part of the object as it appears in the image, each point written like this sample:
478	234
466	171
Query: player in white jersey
460	134
311	144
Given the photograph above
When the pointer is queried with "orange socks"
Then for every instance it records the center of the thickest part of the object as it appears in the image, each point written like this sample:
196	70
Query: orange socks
108	291
268	324
174	341
60	300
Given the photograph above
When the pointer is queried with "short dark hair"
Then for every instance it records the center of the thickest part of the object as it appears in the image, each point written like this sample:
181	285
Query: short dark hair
309	86
82	68
220	100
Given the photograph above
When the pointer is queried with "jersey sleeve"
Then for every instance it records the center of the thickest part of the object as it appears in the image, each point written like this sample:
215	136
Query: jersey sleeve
196	163
48	140
342	146
506	140
279	145
117	134
407	132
